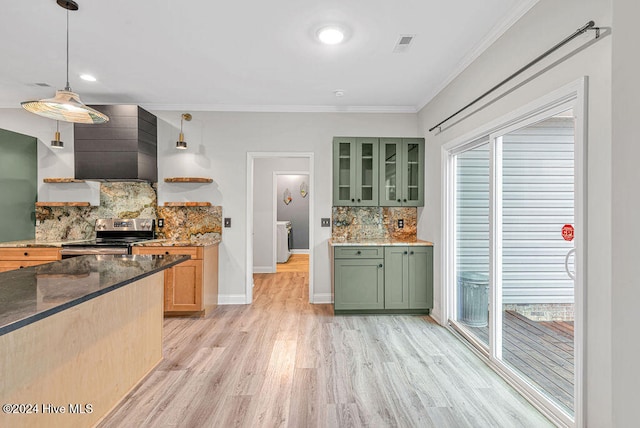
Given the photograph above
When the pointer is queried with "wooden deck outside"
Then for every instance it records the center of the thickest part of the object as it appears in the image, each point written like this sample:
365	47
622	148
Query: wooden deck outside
542	351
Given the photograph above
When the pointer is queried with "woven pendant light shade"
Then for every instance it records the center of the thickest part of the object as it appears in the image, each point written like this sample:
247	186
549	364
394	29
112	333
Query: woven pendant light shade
67	107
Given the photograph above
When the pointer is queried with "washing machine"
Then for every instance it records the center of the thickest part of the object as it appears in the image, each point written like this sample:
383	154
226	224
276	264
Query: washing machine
283	245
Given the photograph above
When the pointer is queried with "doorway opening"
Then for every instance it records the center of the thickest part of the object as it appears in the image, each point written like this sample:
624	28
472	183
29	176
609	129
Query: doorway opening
291	205
280	201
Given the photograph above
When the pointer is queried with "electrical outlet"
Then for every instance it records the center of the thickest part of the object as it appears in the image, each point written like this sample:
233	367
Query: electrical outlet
160	222
325	222
400	223
227	222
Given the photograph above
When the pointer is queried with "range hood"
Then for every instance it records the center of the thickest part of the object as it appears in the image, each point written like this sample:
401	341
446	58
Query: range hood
123	149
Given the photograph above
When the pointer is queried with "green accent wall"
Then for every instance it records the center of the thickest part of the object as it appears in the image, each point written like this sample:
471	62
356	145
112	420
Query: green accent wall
18	185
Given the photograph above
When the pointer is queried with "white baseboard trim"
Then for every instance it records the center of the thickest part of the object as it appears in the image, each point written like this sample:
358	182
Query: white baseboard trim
299	251
232	299
263	269
437	317
323	298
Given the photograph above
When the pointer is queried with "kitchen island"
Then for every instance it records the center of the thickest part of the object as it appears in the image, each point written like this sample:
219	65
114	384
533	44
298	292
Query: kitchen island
77	335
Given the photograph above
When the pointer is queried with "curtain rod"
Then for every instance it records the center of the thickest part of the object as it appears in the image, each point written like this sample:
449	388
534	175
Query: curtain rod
588	26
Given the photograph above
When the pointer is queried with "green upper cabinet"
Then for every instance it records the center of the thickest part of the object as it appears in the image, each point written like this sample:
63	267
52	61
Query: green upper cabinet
401	172
355	171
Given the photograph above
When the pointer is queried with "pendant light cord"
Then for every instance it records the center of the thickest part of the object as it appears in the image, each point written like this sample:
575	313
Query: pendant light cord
68	87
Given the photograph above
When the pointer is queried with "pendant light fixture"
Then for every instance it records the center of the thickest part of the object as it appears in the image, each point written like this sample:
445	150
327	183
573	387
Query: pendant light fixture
181	144
66	104
56	143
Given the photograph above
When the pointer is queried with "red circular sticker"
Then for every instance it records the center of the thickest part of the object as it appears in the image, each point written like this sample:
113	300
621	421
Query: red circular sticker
567	232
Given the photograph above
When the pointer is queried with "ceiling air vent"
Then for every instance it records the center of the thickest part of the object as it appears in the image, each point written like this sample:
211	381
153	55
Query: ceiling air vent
403	43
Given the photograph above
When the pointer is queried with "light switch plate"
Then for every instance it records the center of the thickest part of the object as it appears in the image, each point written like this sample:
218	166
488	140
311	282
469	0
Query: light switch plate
325	222
227	222
400	223
160	222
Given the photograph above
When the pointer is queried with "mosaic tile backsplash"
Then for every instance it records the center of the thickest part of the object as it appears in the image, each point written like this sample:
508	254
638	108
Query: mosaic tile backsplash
352	224
127	200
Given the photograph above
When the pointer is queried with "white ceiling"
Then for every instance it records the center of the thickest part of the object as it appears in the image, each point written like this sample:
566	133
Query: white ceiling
246	55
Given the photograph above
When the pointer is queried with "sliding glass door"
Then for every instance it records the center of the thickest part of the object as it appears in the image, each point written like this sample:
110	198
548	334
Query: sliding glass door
472	179
511	284
538	200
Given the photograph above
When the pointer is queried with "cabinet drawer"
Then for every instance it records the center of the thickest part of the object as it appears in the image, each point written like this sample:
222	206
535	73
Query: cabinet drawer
29	253
358	252
16	264
194	252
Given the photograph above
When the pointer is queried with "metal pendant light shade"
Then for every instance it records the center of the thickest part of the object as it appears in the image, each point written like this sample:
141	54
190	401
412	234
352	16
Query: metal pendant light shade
56	143
181	144
66	105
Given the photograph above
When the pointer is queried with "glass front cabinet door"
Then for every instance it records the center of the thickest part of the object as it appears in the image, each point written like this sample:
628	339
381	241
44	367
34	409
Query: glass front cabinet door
401	172
355	172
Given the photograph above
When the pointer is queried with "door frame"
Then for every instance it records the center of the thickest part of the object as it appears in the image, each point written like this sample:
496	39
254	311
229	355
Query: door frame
571	96
251	157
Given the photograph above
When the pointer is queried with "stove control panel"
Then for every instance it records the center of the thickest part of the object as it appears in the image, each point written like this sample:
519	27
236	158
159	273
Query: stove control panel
131	224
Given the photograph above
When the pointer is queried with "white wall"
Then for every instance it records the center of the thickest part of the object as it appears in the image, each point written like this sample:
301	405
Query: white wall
263	220
297	211
543	26
218	145
625	213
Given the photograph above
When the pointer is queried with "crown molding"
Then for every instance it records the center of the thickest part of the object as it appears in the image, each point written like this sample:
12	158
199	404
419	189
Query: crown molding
280	108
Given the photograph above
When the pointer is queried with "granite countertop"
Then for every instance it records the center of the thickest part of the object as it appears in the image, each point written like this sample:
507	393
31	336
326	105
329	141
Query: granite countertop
34	293
32	243
379	243
193	242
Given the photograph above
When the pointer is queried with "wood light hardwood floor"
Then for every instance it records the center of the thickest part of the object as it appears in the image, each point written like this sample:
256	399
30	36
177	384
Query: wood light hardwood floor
296	263
282	362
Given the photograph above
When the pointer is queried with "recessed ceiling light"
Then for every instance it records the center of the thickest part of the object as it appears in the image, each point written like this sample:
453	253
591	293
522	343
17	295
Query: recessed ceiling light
88	77
339	93
330	35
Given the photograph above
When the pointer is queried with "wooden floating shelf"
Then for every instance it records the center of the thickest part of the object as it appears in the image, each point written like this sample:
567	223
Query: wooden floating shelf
187	204
188	180
63	204
62	180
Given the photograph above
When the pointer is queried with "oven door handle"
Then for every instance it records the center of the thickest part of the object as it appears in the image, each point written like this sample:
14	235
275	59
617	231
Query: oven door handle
84	251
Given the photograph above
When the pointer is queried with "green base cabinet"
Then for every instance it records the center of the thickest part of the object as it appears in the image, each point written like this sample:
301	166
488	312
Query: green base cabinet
359	284
390	279
396	278
420	277
408	277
